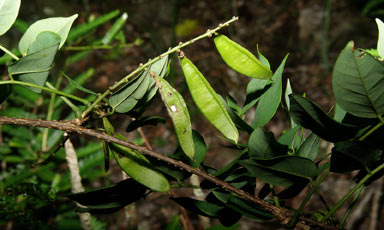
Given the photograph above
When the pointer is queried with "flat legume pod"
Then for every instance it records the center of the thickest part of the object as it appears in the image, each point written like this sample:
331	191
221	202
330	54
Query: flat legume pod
178	111
207	101
240	59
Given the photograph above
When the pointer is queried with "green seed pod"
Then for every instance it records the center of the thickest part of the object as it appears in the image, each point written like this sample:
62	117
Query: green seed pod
240	59
208	101
178	111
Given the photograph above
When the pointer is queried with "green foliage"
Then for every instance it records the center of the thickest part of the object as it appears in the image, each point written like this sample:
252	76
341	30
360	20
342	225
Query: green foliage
292	161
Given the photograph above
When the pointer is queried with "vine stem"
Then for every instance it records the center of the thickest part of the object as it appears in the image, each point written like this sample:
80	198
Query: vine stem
282	214
14	82
9	53
142	66
351	192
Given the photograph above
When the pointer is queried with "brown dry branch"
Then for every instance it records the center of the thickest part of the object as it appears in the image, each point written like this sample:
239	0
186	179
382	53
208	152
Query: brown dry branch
282	214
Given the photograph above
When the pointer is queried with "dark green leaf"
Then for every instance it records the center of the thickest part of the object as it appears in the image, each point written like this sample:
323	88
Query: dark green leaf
293	190
312	117
282	171
357	82
310	147
240	123
288	136
248	209
5	91
255	88
352	155
143	121
200	148
263	145
270	100
124	192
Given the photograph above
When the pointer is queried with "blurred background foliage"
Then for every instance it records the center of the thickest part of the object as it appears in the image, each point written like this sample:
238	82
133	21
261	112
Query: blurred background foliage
312	31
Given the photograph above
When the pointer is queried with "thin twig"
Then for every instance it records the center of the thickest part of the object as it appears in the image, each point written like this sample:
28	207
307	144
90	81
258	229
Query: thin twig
282	214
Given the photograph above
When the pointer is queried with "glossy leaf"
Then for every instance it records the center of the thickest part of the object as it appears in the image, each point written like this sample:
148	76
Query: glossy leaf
139	168
357	82
200	149
125	192
59	25
116	27
309	115
352	155
178	111
263	145
208	101
310	148
270	100
255	88
34	68
5	91
262	59
240	123
240	59
135	164
380	40
283	170
143	121
9	9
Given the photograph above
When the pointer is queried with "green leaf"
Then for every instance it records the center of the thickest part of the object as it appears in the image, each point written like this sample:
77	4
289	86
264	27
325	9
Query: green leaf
270	100
288	136
262	59
240	123
263	145
240	59
135	164
380	40
178	111
116	27
352	155
282	171
139	168
9	9
255	88
124	192
87	27
121	100
226	215
247	208
34	68
357	82
339	113
309	115
143	121
208	101
77	85
200	148
310	148
59	25
5	91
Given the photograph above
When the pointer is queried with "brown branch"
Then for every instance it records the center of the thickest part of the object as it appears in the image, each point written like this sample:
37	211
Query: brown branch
282	214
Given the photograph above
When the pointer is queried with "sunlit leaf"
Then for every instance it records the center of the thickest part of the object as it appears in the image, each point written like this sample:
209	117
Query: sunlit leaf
9	9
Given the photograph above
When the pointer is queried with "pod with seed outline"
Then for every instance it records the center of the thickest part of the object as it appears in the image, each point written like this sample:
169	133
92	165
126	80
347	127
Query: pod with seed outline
240	59
178	111
207	101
